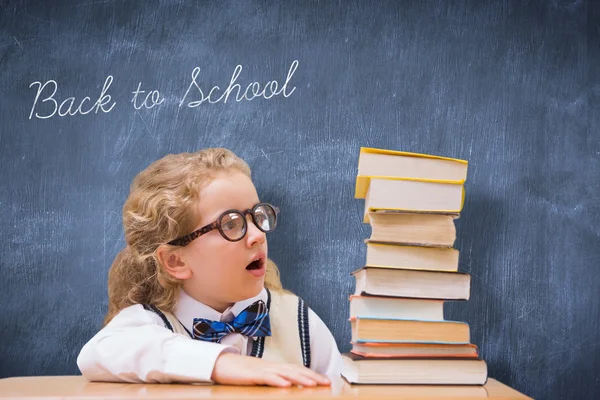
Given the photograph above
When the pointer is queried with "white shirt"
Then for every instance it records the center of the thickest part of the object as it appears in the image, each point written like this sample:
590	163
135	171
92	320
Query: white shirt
135	346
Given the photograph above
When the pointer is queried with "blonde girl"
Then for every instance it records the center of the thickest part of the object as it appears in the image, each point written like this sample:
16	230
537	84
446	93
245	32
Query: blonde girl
193	297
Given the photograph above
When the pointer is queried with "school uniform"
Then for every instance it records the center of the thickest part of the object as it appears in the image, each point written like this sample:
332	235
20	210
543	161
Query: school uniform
144	344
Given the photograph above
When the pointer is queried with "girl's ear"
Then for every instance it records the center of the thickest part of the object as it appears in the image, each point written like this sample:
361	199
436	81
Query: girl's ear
171	261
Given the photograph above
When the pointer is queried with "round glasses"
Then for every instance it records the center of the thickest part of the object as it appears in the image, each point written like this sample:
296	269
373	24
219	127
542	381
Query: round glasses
232	224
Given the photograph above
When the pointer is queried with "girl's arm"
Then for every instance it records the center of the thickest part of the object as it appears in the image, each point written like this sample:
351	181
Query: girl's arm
325	356
136	347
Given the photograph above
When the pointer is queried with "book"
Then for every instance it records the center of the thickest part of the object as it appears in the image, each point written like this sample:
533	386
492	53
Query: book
400	164
412	283
413	371
425	229
396	308
412	195
385	255
406	330
388	350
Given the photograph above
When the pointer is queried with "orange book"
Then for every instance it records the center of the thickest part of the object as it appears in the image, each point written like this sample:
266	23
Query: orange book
414	331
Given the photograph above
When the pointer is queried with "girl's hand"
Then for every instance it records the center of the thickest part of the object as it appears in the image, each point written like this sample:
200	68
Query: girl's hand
234	369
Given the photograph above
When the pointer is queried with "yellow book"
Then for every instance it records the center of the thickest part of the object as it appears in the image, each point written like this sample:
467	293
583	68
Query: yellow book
383	163
411	195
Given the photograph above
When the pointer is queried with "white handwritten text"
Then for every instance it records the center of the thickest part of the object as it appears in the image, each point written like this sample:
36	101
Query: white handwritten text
253	90
66	106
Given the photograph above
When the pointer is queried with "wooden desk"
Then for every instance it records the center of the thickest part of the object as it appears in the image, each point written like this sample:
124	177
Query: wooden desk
77	387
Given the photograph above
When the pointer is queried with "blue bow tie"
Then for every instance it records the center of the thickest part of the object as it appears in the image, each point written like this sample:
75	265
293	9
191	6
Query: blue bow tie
252	321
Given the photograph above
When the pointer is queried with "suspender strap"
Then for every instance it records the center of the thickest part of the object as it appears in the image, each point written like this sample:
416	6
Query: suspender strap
304	332
162	316
258	347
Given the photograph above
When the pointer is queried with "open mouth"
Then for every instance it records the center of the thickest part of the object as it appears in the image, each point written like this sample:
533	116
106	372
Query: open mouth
257	267
256	264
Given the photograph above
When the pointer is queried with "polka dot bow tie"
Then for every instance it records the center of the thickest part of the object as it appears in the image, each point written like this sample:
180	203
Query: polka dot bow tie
252	321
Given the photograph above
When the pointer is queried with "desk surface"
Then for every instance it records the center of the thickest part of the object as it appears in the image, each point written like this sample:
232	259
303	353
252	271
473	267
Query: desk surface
77	387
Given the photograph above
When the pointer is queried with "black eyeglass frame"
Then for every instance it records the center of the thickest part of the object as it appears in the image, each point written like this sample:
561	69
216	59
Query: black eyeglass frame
187	239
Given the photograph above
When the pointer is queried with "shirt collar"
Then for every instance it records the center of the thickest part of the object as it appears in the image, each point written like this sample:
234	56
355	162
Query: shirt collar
189	308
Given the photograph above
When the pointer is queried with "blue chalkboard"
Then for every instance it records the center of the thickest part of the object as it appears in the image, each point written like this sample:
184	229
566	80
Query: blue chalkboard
91	92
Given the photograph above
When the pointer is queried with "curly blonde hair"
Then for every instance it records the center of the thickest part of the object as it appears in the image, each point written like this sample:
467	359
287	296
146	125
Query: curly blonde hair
159	208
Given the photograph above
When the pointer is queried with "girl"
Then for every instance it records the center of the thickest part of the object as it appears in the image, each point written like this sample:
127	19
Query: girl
193	297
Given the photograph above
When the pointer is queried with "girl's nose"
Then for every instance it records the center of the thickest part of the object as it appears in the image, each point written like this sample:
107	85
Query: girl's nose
253	234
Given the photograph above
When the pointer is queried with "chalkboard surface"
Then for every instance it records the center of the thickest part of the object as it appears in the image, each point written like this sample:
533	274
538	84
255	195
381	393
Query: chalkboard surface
91	92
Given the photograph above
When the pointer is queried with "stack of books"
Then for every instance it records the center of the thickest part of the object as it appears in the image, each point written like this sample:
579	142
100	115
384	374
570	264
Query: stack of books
399	334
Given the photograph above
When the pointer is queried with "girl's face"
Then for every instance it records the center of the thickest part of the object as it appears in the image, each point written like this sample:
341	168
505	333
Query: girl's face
220	271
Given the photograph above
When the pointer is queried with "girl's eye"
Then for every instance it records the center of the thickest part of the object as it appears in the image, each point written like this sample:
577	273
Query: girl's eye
228	225
263	221
232	223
